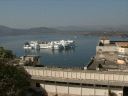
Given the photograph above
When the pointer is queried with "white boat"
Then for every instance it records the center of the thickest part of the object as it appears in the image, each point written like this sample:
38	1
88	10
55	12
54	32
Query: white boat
67	43
71	43
57	46
27	46
45	45
34	44
49	45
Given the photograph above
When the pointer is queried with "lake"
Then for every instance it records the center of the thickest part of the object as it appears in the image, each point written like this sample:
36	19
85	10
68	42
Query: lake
77	57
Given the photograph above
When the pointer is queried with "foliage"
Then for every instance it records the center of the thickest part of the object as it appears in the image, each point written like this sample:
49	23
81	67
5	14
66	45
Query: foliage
6	53
100	66
13	79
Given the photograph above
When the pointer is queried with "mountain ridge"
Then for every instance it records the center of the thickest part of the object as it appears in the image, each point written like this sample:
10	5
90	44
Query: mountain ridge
5	31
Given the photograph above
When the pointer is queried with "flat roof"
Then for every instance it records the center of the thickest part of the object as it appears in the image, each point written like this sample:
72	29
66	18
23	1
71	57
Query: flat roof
124	44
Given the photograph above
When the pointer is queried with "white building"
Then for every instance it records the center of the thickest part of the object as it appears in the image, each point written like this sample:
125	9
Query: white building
122	47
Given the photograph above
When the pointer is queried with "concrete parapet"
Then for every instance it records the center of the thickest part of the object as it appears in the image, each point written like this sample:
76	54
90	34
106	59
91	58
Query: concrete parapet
75	82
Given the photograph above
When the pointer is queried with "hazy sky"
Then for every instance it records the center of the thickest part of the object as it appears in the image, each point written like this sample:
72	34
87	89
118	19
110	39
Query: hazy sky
54	13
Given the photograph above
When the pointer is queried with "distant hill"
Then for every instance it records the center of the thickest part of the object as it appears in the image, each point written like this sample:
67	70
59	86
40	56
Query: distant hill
4	31
95	28
89	29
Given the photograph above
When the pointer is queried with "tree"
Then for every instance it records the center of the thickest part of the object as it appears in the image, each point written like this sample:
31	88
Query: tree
13	79
6	53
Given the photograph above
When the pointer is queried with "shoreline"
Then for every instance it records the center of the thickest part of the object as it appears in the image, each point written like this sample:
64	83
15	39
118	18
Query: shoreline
110	34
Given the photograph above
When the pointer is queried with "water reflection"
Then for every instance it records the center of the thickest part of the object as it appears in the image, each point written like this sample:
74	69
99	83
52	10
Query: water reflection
76	57
64	51
49	51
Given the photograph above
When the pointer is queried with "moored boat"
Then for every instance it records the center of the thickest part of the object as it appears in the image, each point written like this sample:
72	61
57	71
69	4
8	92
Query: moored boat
49	45
27	46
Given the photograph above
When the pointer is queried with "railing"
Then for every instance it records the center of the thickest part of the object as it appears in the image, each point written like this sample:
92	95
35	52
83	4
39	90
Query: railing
120	78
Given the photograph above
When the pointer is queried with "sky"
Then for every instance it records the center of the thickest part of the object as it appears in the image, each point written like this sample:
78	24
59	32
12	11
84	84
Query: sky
56	13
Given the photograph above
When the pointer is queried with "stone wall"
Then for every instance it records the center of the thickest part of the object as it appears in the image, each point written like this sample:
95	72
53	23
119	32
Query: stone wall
79	75
72	90
83	77
106	49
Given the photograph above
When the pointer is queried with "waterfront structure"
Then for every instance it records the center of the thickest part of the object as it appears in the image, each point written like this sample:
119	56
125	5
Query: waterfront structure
116	51
106	74
122	47
69	82
29	60
27	46
105	45
49	45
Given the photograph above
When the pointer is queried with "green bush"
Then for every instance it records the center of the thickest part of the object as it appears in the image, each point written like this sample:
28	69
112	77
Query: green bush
13	79
6	53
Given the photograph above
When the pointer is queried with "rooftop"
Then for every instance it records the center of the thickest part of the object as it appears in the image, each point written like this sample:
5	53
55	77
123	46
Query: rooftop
104	38
122	44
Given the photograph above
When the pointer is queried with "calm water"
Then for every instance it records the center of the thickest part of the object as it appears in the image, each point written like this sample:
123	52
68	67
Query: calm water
77	57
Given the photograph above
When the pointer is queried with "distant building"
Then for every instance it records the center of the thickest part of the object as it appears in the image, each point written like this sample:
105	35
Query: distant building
115	51
122	47
111	55
104	40
29	60
105	45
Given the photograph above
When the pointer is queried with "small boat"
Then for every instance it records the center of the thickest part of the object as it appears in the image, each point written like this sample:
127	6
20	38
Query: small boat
27	46
57	46
45	45
34	44
67	43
